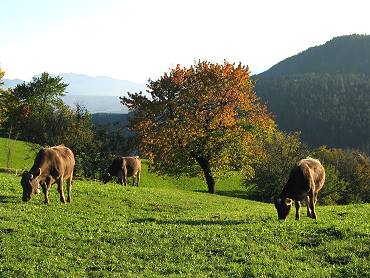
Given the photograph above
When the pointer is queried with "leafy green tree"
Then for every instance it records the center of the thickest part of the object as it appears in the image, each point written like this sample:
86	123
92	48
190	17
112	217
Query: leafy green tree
79	134
203	119
40	98
42	93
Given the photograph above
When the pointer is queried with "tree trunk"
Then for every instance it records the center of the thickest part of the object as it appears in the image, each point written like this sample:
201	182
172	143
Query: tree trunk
204	163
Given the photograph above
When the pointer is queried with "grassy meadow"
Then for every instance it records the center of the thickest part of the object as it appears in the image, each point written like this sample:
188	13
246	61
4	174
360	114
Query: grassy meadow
171	227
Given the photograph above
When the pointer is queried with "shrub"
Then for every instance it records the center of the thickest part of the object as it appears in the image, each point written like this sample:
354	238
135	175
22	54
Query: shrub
333	191
353	167
282	152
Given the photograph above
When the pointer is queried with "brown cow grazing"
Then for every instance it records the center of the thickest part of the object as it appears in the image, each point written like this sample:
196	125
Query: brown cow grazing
306	179
124	167
51	165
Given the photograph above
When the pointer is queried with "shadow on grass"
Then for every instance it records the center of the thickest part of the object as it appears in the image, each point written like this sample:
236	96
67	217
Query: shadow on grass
188	222
235	194
8	199
242	194
7	231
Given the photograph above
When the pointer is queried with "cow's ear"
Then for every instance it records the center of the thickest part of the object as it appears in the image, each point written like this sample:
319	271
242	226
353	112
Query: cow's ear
288	201
38	173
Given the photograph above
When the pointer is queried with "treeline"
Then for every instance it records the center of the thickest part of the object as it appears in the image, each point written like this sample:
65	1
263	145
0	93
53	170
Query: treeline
329	109
34	112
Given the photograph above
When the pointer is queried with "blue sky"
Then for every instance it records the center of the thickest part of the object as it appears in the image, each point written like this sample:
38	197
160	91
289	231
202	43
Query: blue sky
136	40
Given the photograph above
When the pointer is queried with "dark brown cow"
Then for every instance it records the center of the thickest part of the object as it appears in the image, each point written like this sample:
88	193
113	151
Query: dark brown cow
51	165
305	180
124	167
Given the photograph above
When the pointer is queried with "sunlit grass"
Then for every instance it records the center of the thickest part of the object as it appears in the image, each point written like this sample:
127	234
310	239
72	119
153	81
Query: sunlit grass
165	228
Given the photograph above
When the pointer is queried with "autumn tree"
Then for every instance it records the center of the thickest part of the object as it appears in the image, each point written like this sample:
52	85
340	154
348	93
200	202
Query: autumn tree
3	109
203	119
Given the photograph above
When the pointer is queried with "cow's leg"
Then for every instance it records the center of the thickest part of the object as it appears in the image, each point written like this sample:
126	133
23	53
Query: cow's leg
120	177
69	188
297	206
133	179
125	176
312	205
308	206
138	178
60	189
45	188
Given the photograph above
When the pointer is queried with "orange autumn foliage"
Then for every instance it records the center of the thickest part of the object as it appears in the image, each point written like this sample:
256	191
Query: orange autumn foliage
204	116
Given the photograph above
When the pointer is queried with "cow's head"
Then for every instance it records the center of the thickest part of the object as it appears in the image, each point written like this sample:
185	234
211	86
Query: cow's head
30	184
107	177
283	206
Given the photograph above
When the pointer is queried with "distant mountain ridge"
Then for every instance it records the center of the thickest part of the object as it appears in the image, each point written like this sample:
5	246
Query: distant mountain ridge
345	54
80	84
11	83
98	94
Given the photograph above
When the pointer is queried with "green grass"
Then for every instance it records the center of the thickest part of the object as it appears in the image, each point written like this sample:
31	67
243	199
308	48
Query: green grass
21	154
171	227
165	228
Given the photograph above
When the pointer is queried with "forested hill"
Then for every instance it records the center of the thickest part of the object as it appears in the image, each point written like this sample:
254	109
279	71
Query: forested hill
324	92
345	54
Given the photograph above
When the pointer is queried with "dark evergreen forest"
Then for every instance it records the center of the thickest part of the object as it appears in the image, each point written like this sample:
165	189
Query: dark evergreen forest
324	92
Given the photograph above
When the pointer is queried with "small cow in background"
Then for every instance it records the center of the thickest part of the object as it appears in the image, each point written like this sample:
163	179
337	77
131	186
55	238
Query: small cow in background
51	165
124	167
306	179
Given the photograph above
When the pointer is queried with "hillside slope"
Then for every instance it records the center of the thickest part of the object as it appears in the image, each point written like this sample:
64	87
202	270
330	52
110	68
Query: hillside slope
324	92
156	231
16	154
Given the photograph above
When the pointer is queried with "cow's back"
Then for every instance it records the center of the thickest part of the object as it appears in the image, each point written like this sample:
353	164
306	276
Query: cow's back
313	169
133	164
55	161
